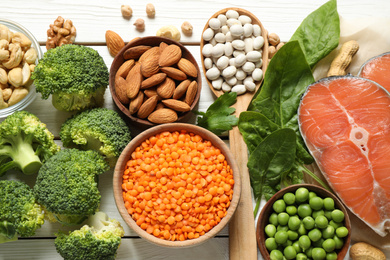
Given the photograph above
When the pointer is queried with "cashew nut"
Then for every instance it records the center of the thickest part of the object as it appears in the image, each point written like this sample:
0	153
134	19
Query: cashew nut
3	76
4	53
7	92
169	31
26	73
5	33
30	56
17	95
22	39
15	77
3	104
15	57
32	67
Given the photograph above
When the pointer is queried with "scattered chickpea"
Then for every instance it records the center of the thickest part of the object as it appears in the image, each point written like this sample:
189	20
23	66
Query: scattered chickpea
273	39
271	51
140	24
186	28
280	45
126	10
150	10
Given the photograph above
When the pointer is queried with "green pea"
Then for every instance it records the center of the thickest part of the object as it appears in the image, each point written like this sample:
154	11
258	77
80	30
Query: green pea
304	210
318	243
308	222
331	256
337	215
291	210
318	253
281	228
301	256
289	198
292	235
297	247
329	245
304	242
281	237
276	255
317	213
328	232
342	232
283	218
273	219
316	203
334	224
279	206
302	230
294	222
328	214
339	242
312	194
309	252
301	195
315	234
321	221
289	252
271	244
270	230
288	243
328	203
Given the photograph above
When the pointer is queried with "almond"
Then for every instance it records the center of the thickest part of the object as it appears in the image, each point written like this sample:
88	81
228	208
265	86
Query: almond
134	79
149	66
153	80
181	89
191	93
170	55
176	105
135	52
150	92
136	103
166	88
121	89
159	106
174	73
187	67
114	42
125	68
163	45
162	116
154	51
147	107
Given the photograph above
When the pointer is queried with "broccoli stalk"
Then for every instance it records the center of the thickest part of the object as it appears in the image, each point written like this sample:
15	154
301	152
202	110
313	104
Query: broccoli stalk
25	143
98	239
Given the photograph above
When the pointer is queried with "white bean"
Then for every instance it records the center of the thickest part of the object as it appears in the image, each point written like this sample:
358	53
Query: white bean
238	45
250	86
220	37
224	29
215	23
208	34
222	18
228	49
208	63
257	74
229	37
248	29
232	14
207	48
222	62
258	42
238	52
239	89
226	87
217	83
218	50
232	21
236	30
259	64
248	67
231	81
240	74
248	44
244	19
249	78
240	60
253	56
256	30
229	72
232	61
213	73
213	42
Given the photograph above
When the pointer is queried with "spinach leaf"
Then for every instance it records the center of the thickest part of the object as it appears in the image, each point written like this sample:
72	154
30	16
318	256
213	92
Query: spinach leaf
271	160
218	117
319	33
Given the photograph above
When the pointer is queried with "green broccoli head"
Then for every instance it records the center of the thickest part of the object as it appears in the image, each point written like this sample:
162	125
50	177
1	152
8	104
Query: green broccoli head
75	75
19	213
99	239
25	143
99	129
66	185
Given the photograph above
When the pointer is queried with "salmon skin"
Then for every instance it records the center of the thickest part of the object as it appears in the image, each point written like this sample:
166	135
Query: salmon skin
377	69
345	123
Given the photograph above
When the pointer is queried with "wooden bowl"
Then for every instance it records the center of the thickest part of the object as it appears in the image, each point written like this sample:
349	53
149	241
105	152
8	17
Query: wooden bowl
267	210
125	156
247	95
151	41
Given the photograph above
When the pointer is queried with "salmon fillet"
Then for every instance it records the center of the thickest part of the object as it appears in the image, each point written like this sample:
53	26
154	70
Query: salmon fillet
377	69
345	122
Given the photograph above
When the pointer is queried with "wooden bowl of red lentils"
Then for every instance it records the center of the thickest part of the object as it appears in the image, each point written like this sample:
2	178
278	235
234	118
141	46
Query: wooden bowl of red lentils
176	185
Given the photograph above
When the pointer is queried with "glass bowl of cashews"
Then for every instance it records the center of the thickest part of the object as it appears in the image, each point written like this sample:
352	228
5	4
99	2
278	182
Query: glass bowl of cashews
19	53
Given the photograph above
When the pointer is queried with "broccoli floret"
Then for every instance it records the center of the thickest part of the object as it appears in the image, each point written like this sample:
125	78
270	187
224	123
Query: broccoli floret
99	239
66	185
99	129
75	75
20	215
25	143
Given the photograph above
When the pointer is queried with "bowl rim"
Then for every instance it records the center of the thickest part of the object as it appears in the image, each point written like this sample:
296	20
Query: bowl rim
206	135
260	234
32	94
118	60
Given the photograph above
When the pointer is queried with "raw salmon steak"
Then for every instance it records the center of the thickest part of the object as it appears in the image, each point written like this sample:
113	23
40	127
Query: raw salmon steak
345	122
378	70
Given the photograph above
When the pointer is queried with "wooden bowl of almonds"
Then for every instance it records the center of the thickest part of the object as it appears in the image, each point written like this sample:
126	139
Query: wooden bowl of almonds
155	80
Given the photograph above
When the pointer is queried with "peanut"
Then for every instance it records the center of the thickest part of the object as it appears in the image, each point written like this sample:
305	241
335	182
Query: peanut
343	59
364	251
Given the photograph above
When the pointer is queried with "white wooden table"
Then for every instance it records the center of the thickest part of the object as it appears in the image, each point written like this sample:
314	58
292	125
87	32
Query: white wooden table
92	18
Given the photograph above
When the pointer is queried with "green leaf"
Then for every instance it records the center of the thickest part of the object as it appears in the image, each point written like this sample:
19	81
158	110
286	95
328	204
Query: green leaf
271	159
319	33
218	117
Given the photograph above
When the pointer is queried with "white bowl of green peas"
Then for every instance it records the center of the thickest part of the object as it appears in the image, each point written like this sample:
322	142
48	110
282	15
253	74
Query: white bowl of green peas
303	221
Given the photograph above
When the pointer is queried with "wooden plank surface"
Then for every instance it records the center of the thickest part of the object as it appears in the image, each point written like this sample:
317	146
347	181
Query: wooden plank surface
92	18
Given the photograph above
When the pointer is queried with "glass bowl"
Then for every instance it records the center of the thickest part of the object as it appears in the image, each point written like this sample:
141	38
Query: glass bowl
27	100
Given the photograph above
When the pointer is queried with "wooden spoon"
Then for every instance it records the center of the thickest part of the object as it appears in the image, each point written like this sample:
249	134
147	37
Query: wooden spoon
242	235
